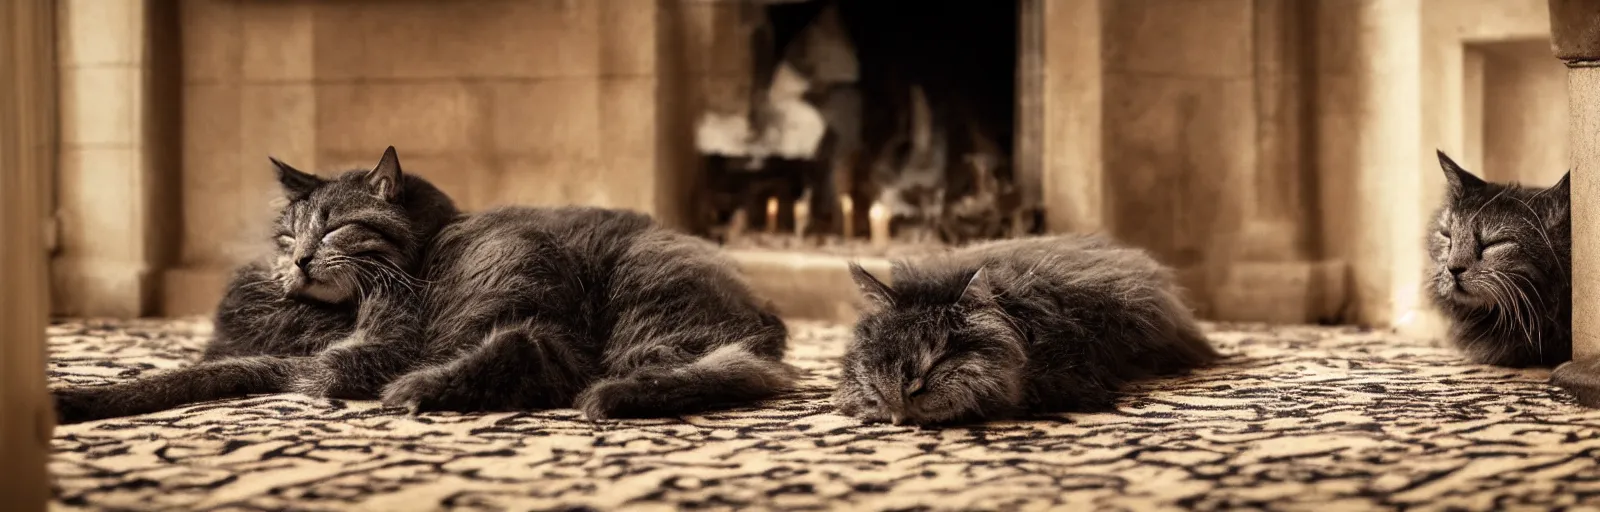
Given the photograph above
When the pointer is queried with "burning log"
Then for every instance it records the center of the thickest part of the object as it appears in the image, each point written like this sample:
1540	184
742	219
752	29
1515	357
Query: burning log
863	113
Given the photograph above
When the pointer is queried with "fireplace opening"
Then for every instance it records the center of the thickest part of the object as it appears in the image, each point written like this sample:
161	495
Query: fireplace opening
869	124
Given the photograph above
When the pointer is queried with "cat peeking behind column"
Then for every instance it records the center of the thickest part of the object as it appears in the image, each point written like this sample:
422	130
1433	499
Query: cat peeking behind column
1501	269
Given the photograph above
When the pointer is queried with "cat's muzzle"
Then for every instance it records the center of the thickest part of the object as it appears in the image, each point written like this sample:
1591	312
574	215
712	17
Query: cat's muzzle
304	287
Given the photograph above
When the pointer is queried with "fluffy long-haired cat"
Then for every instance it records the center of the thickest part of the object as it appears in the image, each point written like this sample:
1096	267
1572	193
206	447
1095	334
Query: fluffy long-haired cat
589	308
1501	270
602	310
331	312
377	276
1012	327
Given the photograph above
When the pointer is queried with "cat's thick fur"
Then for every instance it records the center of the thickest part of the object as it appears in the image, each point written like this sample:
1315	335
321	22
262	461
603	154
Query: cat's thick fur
330	312
378	289
1501	269
1011	327
535	308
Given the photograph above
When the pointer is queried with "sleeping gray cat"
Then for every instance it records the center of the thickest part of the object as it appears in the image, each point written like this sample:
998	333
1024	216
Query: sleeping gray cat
602	310
1011	327
377	276
1501	272
331	312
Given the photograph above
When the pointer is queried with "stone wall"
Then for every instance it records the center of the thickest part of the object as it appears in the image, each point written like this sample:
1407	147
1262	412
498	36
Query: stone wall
1523	107
1201	141
496	101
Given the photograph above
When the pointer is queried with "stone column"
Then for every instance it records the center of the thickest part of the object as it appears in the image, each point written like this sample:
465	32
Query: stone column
1071	140
27	142
1264	268
1575	28
117	171
1368	130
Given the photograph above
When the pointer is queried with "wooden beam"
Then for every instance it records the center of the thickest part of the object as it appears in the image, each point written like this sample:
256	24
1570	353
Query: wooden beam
27	160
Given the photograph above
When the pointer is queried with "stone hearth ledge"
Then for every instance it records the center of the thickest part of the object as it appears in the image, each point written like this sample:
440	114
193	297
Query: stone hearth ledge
806	285
800	285
812	286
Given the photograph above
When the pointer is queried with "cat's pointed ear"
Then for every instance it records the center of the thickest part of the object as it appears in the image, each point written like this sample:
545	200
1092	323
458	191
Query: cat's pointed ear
1562	188
978	290
1557	201
297	184
1460	181
876	292
384	180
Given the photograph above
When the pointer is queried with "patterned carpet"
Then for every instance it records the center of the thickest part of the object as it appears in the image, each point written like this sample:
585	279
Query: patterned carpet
1296	419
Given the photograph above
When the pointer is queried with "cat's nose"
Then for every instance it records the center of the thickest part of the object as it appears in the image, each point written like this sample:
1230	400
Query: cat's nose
303	261
1455	271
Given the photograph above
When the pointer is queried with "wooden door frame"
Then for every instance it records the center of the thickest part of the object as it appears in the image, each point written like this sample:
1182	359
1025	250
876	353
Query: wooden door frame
27	162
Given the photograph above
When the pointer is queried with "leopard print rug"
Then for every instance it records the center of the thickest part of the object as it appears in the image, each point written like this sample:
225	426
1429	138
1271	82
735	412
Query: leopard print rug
1299	418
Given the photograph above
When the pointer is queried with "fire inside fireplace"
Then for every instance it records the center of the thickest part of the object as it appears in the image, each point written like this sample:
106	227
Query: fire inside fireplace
870	120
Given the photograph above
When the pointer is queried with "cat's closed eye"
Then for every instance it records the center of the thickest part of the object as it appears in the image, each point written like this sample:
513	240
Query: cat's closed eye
350	227
1497	243
872	400
916	388
284	241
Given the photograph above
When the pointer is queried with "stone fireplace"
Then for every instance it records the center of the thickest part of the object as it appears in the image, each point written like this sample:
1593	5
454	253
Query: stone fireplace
1274	152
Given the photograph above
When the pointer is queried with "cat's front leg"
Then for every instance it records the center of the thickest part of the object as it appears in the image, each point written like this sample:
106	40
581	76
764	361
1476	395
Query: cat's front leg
536	366
385	343
356	370
211	380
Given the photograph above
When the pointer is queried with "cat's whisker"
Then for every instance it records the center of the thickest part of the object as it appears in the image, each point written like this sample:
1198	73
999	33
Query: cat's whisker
1528	319
1543	234
1511	304
1497	301
1530	285
1514	305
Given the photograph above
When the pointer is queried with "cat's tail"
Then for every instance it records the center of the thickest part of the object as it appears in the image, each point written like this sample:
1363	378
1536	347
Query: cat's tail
729	375
206	381
1199	347
1190	349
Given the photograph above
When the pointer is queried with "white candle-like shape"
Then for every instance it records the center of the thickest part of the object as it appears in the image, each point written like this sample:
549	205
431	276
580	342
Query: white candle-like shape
772	215
848	208
878	215
737	225
802	217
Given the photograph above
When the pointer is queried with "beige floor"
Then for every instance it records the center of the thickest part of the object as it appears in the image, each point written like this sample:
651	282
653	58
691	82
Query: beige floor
1297	419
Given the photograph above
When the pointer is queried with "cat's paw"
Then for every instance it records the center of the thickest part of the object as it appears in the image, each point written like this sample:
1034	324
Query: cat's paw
427	390
608	399
336	373
76	404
